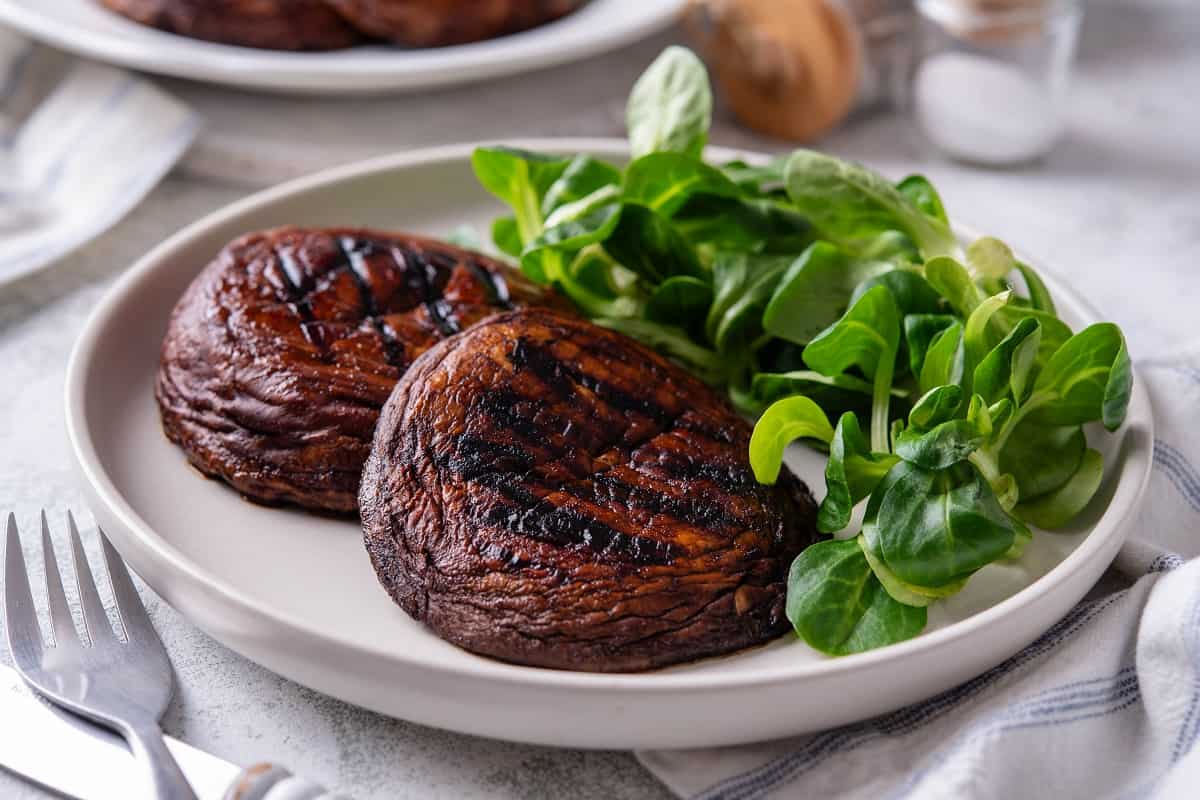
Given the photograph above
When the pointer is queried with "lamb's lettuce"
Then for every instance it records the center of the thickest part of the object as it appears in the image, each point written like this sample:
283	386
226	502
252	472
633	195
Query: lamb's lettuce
812	289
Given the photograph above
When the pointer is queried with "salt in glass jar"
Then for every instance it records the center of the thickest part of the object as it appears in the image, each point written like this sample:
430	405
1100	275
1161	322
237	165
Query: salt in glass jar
989	78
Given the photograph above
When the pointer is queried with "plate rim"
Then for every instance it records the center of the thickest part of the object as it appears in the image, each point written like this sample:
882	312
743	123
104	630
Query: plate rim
287	71
1131	484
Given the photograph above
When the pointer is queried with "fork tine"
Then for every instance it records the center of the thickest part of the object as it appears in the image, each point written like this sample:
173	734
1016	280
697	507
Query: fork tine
129	605
63	624
20	615
95	618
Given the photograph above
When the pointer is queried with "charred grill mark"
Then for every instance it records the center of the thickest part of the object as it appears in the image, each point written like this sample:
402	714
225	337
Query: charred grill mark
561	379
354	255
473	458
298	302
697	512
416	271
420	269
292	274
494	285
695	423
440	260
504	468
540	519
500	406
729	478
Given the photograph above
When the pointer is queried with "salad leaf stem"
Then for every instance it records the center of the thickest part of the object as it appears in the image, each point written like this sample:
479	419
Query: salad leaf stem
881	403
987	465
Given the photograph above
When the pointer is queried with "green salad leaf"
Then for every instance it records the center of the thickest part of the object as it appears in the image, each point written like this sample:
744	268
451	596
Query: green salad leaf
582	176
670	107
1058	507
933	527
850	204
742	285
681	297
521	179
1042	457
1074	386
815	291
920	330
648	244
1006	368
838	606
851	474
921	194
943	446
866	337
785	421
664	182
1039	295
940	404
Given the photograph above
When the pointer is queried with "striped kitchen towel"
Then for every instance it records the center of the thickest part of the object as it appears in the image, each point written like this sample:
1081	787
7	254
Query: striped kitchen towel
1106	704
80	145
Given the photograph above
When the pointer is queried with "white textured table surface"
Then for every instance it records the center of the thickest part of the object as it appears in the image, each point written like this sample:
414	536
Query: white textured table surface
1123	186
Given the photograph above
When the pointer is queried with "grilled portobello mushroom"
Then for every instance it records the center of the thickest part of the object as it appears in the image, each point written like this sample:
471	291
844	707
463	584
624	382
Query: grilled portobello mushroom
270	24
334	24
281	353
549	492
433	23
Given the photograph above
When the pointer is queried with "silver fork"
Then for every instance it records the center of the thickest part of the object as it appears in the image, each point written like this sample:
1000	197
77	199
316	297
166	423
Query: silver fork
122	685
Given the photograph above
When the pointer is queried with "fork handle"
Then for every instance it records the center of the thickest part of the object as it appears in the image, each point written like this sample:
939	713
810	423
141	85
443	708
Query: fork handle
272	782
146	742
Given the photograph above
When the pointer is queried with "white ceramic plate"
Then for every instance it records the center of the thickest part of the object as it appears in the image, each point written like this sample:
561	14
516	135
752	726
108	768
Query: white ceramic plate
296	593
88	29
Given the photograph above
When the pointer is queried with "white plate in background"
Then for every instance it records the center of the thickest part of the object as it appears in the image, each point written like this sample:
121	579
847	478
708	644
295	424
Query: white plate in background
296	593
88	29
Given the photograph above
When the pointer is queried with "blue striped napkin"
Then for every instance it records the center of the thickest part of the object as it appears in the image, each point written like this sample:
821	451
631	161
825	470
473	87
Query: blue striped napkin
1106	704
74	159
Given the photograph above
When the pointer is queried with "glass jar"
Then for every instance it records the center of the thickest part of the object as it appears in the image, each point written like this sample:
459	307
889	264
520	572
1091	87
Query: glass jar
990	77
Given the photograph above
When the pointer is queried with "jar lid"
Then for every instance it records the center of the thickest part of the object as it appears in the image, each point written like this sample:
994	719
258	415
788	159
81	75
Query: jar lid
995	20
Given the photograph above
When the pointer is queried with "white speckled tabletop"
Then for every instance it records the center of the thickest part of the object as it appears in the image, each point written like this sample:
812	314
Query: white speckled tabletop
1123	185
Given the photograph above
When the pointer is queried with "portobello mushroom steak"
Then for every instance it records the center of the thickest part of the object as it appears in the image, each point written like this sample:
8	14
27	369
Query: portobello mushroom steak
270	24
433	23
548	492
333	24
279	356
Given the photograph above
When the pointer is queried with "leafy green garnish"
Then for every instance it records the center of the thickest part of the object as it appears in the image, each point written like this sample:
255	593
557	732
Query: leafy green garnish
670	107
921	193
681	297
838	606
785	421
1042	457
866	337
583	176
851	474
1057	508
743	284
664	182
649	245
812	289
932	527
850	204
521	179
815	291
1074	386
